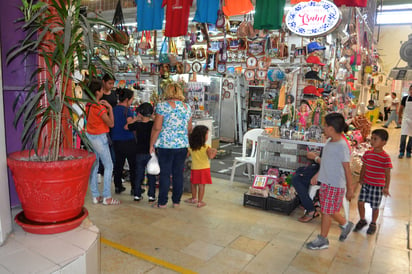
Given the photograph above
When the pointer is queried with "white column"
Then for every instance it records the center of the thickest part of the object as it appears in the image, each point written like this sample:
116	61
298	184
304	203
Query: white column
5	211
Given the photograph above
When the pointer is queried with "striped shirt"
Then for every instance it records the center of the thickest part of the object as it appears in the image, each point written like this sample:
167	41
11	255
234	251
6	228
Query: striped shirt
375	166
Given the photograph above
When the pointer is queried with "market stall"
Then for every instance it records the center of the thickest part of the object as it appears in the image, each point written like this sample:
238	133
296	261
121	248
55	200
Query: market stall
247	67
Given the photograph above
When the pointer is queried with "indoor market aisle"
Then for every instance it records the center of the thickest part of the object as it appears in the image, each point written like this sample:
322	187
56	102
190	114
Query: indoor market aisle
226	237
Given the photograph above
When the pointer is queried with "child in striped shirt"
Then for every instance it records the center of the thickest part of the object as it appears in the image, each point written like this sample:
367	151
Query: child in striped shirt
375	177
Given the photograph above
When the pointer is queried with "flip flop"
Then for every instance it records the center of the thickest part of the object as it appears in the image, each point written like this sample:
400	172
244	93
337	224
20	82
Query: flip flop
97	200
201	204
110	201
308	217
191	201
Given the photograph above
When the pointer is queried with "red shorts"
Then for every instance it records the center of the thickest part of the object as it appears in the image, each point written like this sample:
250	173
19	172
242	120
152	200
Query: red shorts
201	176
330	198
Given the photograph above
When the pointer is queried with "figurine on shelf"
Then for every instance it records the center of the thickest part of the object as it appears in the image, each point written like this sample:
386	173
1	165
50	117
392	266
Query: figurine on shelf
303	115
288	112
318	113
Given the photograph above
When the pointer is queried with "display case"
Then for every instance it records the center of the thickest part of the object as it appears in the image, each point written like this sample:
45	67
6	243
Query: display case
204	98
254	103
271	116
286	155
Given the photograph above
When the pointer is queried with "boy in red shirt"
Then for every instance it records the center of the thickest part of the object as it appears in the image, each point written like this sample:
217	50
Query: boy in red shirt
375	177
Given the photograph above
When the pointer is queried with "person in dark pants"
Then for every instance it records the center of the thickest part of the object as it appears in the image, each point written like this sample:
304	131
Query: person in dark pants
172	125
142	126
124	142
301	182
405	114
387	102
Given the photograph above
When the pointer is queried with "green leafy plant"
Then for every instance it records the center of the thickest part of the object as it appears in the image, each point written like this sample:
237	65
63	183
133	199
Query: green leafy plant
66	40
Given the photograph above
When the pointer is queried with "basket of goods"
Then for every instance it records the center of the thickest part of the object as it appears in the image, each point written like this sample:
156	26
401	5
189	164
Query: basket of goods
259	191
282	196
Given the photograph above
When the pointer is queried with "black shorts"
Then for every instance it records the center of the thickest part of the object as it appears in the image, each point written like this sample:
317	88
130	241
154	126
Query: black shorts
371	194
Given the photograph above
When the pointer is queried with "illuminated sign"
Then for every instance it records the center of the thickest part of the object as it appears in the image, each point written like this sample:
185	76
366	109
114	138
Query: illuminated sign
313	18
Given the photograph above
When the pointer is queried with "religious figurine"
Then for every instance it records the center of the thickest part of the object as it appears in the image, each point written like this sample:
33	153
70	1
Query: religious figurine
303	115
318	113
288	112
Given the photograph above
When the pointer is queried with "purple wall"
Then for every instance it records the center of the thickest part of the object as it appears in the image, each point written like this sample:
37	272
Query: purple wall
15	76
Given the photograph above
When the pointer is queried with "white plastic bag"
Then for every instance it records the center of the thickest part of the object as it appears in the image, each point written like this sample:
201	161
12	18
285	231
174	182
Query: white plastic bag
153	167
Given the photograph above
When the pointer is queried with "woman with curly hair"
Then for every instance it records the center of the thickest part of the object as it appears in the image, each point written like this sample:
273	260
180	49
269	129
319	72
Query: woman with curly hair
201	154
170	132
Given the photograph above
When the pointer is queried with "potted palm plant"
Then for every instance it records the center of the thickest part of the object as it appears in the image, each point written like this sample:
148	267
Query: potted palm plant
51	177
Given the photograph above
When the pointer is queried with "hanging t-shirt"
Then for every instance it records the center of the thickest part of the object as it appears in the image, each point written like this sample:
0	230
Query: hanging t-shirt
269	14
351	3
237	7
177	17
294	2
206	11
150	14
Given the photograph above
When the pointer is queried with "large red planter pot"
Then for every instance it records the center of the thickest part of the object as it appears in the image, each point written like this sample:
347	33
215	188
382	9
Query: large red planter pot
51	192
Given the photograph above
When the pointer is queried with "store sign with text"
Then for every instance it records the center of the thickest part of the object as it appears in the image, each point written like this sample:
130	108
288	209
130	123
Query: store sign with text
313	18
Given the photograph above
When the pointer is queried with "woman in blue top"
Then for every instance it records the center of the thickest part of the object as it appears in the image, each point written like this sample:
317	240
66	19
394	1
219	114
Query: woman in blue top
169	135
124	142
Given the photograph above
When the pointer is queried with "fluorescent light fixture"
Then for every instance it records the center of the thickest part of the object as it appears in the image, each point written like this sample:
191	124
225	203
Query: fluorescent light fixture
395	7
394	17
130	24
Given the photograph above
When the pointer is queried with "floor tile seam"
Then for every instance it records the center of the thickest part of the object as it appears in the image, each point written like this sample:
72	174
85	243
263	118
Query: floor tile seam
146	257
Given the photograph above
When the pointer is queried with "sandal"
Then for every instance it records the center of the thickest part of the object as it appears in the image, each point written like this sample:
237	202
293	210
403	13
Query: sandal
371	229
97	200
191	201
201	204
110	201
307	217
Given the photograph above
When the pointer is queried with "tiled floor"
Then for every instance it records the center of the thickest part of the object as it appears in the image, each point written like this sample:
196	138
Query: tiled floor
226	237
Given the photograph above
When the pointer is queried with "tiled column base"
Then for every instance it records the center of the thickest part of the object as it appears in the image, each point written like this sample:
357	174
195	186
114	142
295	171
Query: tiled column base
75	251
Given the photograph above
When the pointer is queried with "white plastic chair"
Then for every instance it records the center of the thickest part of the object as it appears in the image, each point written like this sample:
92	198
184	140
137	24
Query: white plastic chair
312	192
249	160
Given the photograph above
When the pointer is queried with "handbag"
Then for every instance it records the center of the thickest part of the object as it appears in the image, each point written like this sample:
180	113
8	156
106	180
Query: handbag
163	54
145	40
152	166
120	35
172	52
221	18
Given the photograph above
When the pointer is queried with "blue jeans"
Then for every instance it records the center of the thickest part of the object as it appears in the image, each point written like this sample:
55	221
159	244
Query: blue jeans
403	143
101	148
393	117
301	182
171	162
141	162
